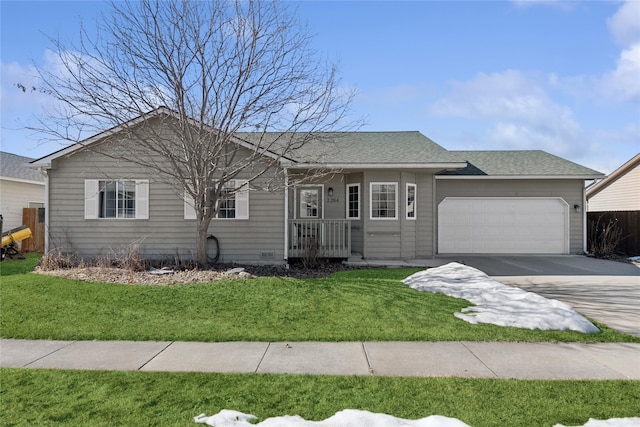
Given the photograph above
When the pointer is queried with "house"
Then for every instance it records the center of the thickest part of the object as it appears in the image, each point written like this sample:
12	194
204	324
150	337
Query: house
20	187
387	195
616	200
619	191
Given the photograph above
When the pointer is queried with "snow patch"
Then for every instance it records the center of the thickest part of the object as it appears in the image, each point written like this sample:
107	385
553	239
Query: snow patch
497	303
346	418
613	422
357	418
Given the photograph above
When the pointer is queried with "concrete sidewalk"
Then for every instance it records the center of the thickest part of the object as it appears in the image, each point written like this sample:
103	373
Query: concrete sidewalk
420	359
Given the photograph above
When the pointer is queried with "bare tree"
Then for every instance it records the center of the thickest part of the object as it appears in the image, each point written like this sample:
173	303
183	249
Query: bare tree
218	68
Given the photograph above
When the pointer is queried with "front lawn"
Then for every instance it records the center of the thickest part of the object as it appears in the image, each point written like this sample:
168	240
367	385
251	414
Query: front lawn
71	398
357	305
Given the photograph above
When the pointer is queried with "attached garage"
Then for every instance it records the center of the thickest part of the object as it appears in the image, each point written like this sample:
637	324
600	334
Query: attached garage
496	225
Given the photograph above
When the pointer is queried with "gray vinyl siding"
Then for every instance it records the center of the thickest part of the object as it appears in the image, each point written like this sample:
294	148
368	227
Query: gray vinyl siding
425	218
166	234
399	238
572	191
381	237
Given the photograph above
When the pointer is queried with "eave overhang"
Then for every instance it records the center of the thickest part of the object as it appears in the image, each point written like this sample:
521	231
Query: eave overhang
490	177
432	167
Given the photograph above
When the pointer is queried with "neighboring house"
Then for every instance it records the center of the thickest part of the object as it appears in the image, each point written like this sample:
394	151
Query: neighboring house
20	187
619	191
616	200
392	195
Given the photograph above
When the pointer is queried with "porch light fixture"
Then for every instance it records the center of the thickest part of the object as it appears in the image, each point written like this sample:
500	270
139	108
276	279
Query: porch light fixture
330	191
576	208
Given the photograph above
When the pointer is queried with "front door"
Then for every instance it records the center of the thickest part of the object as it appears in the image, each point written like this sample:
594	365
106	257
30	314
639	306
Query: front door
309	231
309	203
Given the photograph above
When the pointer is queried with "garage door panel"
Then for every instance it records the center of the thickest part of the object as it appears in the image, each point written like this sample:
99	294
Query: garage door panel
503	225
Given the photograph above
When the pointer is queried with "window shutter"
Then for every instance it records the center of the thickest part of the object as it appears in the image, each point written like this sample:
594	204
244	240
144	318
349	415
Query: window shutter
242	199
189	207
142	199
91	198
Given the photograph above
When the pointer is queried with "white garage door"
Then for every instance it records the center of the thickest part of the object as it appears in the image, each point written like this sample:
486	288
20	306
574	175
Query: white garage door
491	225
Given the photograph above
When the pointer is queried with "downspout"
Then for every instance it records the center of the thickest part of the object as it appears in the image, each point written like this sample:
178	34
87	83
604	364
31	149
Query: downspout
434	217
286	216
46	209
584	219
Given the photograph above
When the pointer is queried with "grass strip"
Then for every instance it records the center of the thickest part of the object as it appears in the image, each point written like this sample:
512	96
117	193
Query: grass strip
99	398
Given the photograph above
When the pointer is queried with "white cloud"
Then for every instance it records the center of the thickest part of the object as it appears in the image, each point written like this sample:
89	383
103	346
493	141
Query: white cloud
517	111
625	23
623	83
557	4
12	95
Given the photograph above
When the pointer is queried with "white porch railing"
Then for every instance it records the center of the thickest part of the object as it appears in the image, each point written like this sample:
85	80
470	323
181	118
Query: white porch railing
321	238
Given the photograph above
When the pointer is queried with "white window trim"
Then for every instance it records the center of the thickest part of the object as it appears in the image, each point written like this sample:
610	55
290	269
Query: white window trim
242	199
415	202
359	201
394	218
92	199
189	207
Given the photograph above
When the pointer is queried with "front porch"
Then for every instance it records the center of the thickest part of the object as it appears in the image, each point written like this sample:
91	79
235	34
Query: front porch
320	238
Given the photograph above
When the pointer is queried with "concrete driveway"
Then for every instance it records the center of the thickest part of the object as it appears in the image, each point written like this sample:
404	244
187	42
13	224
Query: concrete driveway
548	265
605	291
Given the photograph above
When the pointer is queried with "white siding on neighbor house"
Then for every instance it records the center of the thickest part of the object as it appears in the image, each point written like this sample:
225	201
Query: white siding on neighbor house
623	194
571	191
15	196
165	234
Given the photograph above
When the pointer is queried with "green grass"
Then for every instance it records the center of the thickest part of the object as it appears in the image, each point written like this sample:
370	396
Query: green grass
10	267
98	398
354	305
357	305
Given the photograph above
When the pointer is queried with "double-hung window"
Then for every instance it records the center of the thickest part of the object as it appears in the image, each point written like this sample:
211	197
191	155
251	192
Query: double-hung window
233	204
411	201
116	199
384	200
353	201
234	201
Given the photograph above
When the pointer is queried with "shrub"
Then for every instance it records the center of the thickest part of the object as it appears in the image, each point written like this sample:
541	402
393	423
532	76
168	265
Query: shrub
57	260
604	237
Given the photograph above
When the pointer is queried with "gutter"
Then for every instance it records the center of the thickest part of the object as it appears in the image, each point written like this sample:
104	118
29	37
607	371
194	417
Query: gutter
447	165
476	177
286	216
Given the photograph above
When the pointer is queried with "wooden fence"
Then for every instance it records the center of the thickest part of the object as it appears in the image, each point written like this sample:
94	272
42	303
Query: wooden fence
34	219
627	221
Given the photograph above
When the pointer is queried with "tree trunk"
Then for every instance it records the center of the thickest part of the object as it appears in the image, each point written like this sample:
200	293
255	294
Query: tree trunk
201	242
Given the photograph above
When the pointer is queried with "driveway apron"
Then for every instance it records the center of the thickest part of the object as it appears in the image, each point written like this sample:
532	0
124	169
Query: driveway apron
602	290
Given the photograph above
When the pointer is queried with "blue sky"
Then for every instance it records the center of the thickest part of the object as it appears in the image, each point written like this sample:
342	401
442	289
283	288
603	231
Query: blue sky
559	76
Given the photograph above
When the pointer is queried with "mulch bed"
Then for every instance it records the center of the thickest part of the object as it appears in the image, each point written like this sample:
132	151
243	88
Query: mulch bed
190	276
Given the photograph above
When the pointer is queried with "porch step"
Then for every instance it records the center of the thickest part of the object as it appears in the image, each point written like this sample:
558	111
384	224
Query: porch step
355	257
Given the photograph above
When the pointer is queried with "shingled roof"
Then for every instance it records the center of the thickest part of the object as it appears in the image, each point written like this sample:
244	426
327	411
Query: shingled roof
401	149
16	167
519	163
357	148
